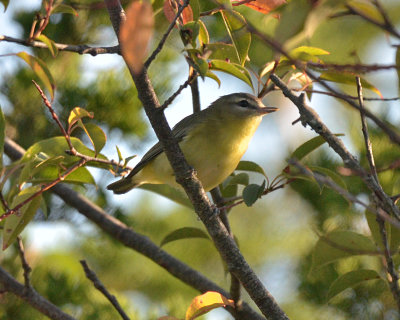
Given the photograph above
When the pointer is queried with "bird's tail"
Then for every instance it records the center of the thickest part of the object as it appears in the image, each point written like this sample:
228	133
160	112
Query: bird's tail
123	185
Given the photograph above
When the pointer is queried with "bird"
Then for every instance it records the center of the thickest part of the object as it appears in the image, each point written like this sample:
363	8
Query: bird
212	140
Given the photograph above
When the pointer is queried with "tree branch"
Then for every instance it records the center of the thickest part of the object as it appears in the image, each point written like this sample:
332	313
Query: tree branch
310	117
9	284
186	176
131	239
81	49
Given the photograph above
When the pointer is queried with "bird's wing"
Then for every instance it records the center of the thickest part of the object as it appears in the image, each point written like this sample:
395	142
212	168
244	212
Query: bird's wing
179	132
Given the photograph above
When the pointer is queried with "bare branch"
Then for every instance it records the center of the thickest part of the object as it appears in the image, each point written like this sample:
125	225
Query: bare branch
134	240
91	275
25	266
81	49
166	34
9	284
310	117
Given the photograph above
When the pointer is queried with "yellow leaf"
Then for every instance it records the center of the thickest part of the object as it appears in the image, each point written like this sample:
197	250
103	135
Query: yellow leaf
205	303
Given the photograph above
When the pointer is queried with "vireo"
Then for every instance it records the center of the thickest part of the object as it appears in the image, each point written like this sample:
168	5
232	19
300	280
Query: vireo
212	140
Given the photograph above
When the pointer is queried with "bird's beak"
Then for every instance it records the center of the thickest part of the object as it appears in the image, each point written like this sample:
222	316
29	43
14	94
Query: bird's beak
266	110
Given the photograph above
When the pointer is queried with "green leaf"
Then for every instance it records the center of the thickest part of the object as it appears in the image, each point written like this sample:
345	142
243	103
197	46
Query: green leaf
241	37
120	158
16	223
250	166
204	38
168	192
77	114
252	193
184	233
51	45
199	63
5	4
367	9
349	79
194	4
350	280
340	244
392	233
222	51
292	20
57	146
96	135
233	69
309	146
189	33
51	173
40	68
241	178
306	53
213	76
64	8
331	174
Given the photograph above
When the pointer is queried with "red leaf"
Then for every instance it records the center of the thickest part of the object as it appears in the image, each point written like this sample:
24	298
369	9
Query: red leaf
263	6
135	34
171	8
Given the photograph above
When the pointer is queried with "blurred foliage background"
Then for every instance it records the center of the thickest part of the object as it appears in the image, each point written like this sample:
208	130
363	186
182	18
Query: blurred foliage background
276	235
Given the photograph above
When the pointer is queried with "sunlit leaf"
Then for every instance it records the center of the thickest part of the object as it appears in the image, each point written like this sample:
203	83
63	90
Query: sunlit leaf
204	37
309	146
350	280
252	193
341	244
306	53
213	76
206	302
16	223
168	192
250	166
76	114
51	45
57	146
96	135
195	6
184	233
366	9
135	34
241	37
349	79
233	69
64	8
40	69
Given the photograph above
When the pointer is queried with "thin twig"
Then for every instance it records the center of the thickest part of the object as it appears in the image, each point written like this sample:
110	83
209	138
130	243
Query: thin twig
311	118
394	277
344	193
91	275
166	34
177	92
54	115
25	266
81	49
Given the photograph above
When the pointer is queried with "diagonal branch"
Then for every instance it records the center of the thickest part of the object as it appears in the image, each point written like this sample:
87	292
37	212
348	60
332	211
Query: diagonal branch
310	117
31	296
131	239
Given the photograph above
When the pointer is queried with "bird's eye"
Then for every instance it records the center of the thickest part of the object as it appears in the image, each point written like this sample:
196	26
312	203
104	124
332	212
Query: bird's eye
244	103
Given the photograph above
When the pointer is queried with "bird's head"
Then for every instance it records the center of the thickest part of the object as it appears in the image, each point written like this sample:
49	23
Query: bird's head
243	105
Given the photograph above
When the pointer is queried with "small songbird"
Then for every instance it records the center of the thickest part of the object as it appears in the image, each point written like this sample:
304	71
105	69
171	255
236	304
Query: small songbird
212	140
